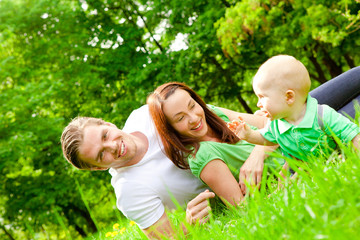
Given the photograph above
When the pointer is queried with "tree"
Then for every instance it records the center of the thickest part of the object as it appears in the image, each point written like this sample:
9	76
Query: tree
322	34
101	58
43	66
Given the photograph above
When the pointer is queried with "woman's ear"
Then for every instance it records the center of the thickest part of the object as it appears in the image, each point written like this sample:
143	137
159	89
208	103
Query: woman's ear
290	97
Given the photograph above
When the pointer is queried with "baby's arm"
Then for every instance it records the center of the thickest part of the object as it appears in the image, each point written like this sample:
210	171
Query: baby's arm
257	121
243	131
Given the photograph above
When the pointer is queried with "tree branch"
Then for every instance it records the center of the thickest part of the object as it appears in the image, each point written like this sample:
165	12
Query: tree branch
230	82
146	25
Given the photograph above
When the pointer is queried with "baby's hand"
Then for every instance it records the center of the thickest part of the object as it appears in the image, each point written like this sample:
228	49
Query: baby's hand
261	113
242	130
239	127
234	123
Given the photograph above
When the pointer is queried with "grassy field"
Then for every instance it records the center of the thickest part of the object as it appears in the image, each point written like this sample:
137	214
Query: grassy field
323	203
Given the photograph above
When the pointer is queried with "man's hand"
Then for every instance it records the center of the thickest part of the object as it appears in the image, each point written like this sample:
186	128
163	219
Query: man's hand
198	209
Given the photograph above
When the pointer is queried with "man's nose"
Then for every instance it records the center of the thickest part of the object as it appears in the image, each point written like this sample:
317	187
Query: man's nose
111	146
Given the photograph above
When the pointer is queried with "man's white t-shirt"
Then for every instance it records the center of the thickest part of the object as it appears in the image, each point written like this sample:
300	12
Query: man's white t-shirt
143	190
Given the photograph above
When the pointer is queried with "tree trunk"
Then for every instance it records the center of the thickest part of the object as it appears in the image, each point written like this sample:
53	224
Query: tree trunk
7	232
86	215
334	69
244	104
78	212
349	60
321	76
230	82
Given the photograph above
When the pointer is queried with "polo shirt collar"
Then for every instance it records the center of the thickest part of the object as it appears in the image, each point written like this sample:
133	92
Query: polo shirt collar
308	120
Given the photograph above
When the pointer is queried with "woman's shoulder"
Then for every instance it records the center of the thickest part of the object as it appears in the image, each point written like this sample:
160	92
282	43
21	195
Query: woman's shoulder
218	112
209	149
207	152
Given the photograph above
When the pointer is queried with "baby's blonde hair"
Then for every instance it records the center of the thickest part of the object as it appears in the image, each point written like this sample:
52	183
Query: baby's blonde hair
285	71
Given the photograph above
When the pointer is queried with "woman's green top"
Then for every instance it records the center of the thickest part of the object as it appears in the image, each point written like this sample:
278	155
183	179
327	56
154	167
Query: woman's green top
233	155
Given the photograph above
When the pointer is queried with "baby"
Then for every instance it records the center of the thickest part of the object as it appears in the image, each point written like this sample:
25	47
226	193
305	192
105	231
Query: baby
298	124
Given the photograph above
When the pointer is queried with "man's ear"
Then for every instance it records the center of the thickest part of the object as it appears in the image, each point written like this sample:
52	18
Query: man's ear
98	168
110	124
290	96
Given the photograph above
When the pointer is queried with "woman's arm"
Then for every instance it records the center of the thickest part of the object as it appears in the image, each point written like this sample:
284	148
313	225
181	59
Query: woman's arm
254	120
251	170
218	177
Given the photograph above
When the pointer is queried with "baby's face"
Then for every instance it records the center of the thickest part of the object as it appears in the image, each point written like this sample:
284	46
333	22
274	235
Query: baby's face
271	99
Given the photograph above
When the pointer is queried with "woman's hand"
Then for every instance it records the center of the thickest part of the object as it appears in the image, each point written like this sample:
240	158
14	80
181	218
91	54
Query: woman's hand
198	209
251	171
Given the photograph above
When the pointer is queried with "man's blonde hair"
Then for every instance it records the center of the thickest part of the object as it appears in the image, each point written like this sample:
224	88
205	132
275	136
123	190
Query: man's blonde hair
72	138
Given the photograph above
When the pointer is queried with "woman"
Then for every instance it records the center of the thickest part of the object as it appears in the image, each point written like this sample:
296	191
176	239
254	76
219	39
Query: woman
196	136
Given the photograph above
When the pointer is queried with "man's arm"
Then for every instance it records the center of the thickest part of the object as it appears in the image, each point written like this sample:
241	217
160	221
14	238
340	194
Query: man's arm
160	228
197	210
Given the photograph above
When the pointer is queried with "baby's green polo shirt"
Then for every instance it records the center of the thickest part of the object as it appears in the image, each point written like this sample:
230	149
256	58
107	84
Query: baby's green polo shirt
308	138
233	155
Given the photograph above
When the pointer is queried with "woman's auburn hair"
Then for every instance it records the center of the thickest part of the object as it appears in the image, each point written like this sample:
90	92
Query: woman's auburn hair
176	146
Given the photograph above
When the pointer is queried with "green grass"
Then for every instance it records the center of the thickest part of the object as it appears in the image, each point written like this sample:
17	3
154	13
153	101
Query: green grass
323	203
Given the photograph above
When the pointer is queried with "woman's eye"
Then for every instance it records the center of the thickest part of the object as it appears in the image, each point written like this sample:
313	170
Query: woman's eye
193	105
180	118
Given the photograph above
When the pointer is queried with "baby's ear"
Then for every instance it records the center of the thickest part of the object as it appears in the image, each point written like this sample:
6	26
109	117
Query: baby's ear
290	97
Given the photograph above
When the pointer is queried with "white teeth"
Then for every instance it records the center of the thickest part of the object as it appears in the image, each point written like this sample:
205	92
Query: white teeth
122	148
197	126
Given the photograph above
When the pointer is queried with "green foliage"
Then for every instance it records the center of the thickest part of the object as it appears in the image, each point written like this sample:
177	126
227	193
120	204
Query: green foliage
64	58
322	34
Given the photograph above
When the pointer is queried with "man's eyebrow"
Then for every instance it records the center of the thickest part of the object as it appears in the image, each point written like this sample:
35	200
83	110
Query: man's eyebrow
98	159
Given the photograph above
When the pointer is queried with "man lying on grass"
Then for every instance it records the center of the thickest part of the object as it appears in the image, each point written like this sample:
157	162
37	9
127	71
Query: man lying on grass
142	176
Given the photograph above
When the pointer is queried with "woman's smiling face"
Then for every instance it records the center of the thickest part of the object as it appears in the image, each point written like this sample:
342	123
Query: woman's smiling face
185	115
